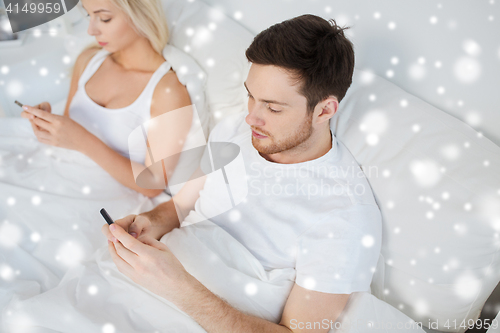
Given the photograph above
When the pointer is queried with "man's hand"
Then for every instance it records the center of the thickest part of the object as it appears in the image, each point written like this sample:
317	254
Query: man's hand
149	263
153	224
139	226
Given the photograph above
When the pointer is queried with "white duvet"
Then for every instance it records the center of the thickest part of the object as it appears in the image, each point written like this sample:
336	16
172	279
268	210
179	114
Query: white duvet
57	275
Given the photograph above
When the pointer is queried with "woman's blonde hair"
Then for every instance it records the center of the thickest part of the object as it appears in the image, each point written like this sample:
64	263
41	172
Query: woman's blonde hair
148	19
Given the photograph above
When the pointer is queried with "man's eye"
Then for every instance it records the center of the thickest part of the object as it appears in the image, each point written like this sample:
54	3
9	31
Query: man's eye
273	110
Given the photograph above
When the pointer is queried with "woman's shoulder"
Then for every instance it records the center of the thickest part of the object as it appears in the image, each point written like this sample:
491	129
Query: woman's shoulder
169	94
84	58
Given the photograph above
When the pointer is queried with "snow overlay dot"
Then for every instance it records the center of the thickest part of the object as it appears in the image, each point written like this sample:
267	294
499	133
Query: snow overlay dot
43	71
368	241
251	289
92	289
36	200
10	234
35	237
309	283
108	328
471	47
467	69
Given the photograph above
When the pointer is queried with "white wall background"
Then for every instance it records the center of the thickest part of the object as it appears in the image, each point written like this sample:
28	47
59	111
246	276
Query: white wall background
446	52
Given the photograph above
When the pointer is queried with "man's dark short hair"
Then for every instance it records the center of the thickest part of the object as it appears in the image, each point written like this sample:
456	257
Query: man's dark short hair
314	51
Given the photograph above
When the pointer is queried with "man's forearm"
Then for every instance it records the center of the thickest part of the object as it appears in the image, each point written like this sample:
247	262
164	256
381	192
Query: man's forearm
215	315
164	216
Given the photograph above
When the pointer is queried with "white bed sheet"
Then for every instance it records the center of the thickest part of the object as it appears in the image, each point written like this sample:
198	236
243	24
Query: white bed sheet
49	210
208	253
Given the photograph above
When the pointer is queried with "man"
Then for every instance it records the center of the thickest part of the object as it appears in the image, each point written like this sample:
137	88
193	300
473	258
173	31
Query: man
308	206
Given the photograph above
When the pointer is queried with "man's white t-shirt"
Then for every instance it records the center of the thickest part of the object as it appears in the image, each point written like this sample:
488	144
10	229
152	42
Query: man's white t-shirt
319	217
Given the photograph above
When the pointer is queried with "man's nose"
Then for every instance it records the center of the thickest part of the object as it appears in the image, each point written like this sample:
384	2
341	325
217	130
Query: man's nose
254	117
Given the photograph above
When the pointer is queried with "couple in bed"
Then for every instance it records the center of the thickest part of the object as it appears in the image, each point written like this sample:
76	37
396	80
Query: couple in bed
308	206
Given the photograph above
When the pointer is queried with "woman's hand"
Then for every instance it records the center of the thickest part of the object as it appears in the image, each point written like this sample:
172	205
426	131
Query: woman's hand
55	130
45	106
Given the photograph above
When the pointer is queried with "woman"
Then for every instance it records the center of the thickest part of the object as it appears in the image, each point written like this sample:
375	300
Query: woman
117	87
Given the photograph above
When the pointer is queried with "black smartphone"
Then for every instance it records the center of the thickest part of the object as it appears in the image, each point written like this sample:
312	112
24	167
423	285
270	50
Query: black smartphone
106	216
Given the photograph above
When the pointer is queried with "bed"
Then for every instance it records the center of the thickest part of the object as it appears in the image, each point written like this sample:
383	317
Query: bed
433	177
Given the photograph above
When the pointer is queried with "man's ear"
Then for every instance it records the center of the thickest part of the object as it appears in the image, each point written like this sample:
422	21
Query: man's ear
326	109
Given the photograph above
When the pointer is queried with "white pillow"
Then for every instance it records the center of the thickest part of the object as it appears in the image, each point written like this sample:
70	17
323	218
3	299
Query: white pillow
218	44
436	181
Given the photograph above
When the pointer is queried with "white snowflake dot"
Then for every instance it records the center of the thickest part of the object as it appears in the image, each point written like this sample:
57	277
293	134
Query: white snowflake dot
6	272
210	62
309	283
368	241
238	15
108	328
92	289
35	237
36	200
44	71
251	289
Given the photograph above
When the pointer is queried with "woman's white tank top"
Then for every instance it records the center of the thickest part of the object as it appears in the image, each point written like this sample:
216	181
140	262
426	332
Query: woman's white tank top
113	126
